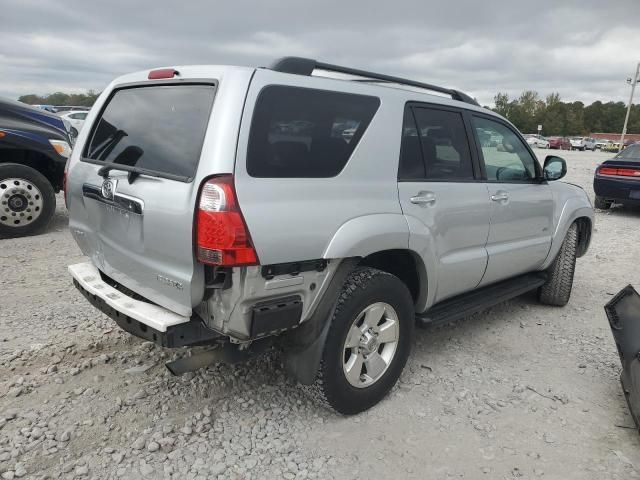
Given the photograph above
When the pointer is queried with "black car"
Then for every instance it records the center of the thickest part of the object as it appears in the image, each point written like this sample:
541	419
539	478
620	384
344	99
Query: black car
34	147
618	180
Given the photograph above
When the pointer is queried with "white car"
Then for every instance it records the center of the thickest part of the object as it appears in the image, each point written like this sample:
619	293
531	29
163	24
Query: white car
583	143
76	119
537	140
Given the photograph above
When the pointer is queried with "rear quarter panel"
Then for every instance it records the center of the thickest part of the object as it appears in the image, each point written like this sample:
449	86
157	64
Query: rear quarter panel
292	219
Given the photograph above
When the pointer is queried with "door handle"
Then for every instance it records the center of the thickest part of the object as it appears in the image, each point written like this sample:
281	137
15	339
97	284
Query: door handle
424	198
500	197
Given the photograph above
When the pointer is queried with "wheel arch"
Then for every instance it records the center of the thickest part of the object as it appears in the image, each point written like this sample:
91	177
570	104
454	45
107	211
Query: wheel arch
405	264
572	213
585	227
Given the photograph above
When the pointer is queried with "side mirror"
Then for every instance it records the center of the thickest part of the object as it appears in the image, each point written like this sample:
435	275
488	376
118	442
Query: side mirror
554	168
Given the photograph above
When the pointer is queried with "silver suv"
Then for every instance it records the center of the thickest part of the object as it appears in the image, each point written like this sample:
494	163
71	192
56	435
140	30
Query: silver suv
246	207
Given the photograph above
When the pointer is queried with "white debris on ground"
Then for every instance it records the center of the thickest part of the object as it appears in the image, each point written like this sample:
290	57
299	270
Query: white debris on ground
519	391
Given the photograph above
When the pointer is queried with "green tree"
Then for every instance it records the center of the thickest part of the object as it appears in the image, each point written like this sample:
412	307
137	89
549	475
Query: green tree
502	104
560	118
60	98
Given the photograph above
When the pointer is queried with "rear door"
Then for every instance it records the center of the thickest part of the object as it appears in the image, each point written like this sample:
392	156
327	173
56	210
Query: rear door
133	190
439	191
521	204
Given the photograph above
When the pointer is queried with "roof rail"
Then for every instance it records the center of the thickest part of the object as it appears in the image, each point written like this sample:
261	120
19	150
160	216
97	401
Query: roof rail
306	66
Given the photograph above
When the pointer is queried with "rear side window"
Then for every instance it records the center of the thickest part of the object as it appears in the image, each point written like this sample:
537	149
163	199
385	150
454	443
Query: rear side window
301	132
156	128
441	138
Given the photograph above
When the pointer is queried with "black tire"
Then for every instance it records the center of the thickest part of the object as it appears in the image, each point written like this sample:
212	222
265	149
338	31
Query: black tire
48	201
557	289
362	288
601	203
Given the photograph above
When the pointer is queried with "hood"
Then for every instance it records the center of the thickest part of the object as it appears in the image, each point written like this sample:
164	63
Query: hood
12	112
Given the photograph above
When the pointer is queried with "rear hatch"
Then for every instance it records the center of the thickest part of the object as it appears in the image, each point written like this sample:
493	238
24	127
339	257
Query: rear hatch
134	184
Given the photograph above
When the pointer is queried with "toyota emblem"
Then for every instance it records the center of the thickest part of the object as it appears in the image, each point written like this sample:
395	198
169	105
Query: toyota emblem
108	188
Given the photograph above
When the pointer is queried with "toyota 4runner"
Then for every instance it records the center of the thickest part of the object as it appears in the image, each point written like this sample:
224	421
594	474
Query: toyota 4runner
243	207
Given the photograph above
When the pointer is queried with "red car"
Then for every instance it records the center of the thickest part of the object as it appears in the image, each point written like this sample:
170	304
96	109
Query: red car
559	143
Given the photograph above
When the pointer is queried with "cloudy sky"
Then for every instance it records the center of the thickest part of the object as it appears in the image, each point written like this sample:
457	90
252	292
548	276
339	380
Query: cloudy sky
583	49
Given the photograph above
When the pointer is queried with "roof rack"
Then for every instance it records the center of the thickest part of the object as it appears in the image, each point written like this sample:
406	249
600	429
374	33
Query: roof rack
306	66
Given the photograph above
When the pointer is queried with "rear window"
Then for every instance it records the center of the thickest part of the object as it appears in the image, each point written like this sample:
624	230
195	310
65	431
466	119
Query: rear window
632	151
156	128
301	132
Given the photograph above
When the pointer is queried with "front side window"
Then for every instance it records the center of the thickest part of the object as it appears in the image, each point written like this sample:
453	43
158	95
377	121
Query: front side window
439	136
506	158
302	132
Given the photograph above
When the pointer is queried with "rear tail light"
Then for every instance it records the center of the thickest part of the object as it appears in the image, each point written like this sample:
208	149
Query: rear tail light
618	172
222	236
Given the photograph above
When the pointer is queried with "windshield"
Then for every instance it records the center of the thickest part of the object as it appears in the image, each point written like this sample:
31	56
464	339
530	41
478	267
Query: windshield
155	128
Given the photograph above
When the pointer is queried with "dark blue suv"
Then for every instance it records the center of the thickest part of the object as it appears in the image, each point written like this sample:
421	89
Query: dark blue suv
34	147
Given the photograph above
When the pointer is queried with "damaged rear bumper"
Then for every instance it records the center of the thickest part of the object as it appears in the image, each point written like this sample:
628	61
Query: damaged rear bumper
142	319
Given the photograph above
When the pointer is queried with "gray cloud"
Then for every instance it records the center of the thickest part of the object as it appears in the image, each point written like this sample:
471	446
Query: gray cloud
582	49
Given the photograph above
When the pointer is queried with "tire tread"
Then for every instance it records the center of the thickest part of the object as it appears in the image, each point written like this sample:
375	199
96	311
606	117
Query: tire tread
354	284
557	290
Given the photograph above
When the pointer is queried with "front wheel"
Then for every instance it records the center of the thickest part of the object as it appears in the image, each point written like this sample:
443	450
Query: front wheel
27	200
368	342
557	289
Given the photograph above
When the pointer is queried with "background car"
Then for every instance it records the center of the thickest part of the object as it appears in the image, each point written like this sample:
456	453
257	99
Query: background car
583	143
34	147
602	143
76	119
618	180
536	140
68	108
611	147
559	143
47	108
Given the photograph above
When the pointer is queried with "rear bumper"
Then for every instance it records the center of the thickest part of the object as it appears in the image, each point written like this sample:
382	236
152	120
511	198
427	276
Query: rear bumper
145	320
619	190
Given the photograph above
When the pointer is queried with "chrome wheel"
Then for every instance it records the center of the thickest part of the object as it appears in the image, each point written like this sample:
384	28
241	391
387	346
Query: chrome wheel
370	345
20	202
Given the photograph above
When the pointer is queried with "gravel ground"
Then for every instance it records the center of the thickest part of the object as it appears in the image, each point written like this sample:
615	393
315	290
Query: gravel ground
519	391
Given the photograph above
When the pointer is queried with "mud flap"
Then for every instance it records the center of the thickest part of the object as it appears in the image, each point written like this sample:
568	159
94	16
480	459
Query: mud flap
623	312
303	346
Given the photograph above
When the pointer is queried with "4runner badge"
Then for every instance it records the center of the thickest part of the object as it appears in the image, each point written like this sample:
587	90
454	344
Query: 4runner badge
108	188
169	282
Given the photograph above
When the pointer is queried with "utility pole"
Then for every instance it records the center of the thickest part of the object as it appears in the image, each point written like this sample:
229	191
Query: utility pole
626	119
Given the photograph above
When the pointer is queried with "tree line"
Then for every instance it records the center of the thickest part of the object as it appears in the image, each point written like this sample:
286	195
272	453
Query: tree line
526	112
59	98
559	118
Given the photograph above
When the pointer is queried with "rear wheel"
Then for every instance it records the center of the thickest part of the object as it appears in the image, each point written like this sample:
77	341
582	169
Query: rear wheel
557	289
601	203
27	200
368	342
